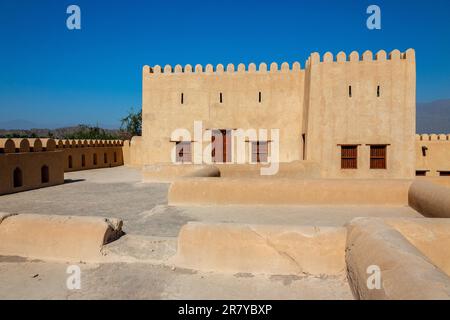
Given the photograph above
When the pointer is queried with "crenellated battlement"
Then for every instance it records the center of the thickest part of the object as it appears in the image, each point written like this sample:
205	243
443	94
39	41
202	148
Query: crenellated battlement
220	68
38	145
433	137
355	56
273	67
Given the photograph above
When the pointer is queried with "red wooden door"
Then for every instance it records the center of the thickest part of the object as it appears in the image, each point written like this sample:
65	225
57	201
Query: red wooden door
221	146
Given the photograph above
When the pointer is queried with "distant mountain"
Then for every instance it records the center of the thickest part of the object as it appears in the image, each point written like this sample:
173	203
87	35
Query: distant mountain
18	124
433	117
76	132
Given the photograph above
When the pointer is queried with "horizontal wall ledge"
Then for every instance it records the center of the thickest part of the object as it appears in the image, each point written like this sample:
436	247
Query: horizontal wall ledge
254	191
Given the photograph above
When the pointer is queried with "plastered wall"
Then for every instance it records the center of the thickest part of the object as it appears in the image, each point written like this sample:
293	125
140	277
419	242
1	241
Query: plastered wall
433	154
22	161
96	154
280	106
133	152
313	102
22	165
335	118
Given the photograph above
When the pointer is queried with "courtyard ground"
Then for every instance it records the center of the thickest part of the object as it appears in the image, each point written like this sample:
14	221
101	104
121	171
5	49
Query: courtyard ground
151	228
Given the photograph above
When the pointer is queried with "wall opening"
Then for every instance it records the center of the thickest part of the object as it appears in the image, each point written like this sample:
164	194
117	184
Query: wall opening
350	91
260	150
115	157
95	159
424	151
221	147
304	146
378	91
183	151
421	173
45	174
220	97
17	178
83	160
105	158
378	157
259	97
444	173
349	157
70	164
182	98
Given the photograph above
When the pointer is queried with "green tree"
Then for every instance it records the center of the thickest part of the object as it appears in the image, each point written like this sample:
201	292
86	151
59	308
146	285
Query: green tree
131	124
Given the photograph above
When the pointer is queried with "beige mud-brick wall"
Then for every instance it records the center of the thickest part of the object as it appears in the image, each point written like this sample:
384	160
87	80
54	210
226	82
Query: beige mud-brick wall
15	155
334	118
132	152
281	104
433	154
76	149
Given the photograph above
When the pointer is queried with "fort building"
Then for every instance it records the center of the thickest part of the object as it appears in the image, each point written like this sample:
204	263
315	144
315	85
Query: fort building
353	116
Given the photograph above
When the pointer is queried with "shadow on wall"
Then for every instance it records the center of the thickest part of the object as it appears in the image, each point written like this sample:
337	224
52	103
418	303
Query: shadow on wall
27	164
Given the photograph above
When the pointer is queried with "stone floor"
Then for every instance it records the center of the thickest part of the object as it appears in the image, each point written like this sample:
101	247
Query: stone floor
21	279
152	227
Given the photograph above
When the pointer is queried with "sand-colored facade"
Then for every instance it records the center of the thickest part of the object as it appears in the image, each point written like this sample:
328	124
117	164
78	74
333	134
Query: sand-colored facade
27	164
433	154
360	100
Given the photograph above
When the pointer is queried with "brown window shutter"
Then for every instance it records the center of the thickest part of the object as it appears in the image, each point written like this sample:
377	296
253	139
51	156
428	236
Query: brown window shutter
349	157
378	157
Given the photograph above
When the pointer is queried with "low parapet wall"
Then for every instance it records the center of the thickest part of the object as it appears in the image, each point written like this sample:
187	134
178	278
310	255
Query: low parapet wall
27	164
302	169
64	238
162	172
225	191
377	249
264	249
430	198
30	170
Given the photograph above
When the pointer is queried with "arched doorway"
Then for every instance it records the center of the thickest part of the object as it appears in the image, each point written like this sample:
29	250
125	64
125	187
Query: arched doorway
45	174
18	178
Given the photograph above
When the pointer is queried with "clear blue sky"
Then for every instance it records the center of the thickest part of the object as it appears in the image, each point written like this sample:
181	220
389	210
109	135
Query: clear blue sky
51	75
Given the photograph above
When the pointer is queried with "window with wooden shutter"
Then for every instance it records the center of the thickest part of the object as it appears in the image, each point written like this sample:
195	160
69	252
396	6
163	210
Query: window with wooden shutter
183	152
349	157
378	157
260	151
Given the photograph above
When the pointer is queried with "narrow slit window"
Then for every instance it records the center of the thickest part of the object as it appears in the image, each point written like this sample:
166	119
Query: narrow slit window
259	97
349	157
350	91
182	98
378	91
220	97
421	173
444	173
378	157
